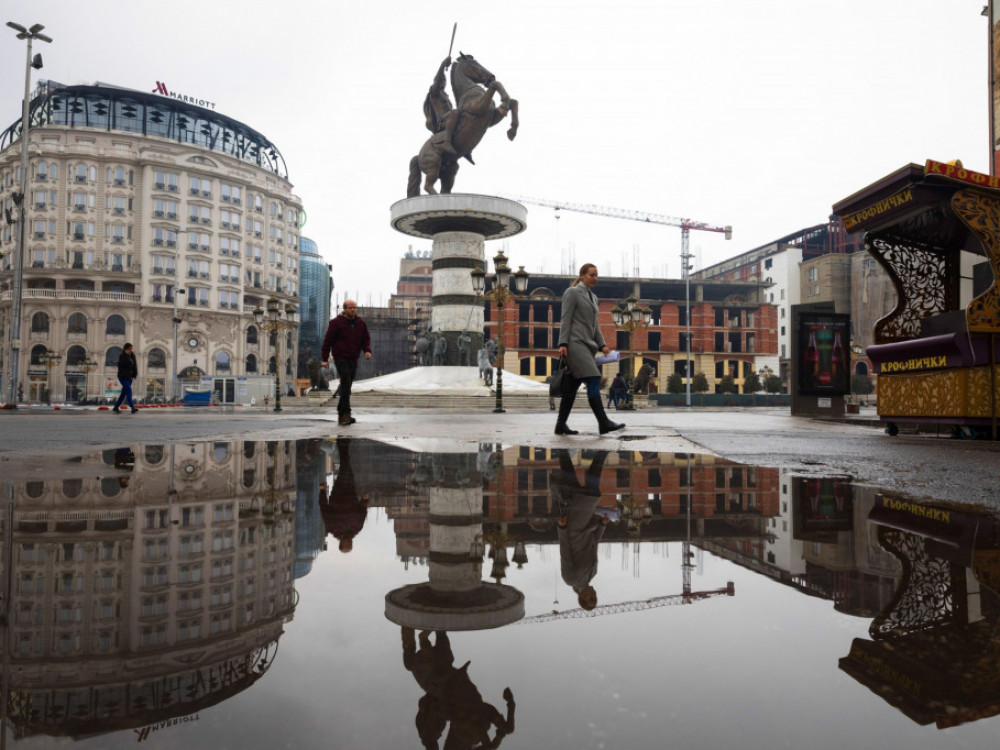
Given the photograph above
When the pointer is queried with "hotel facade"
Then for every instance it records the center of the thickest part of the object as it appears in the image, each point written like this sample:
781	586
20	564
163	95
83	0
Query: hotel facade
148	220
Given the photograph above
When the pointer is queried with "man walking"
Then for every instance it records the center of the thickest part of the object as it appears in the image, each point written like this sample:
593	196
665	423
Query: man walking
346	337
128	370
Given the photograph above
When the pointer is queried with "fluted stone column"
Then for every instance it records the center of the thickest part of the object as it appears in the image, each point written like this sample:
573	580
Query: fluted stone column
459	224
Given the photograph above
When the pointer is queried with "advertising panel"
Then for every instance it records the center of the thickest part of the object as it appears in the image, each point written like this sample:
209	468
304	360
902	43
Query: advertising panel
824	361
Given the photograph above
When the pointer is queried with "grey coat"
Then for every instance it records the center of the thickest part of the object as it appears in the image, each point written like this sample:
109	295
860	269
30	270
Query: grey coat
578	330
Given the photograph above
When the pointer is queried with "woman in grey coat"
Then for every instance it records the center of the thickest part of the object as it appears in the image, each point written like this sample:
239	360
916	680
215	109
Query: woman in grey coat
579	340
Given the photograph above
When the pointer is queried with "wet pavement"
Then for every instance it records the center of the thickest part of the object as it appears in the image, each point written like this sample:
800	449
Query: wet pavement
430	579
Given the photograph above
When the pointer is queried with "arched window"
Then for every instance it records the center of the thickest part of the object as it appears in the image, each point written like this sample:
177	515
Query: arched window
39	323
115	326
36	354
43	170
861	368
111	356
251	363
72	487
222	362
252	335
81	172
156	358
34	489
77	323
249	449
75	356
272	365
154	454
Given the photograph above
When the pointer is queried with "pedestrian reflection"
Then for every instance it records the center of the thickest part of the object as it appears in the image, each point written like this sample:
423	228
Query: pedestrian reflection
124	460
450	697
343	510
580	524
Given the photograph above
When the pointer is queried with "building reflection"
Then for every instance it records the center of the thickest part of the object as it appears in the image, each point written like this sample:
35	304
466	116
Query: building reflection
154	590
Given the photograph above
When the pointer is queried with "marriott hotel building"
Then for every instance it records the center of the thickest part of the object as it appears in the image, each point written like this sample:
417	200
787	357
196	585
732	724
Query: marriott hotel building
141	210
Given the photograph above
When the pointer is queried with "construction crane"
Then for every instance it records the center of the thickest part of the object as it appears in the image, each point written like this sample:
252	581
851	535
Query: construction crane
685	225
688	597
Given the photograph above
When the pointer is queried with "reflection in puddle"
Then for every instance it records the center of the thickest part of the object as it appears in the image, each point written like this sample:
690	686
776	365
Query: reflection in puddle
146	584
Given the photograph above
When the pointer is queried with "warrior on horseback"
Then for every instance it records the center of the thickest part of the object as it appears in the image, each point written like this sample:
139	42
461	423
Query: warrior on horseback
458	130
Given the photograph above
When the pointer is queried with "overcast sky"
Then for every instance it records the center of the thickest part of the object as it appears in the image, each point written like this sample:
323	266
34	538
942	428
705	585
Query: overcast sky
756	114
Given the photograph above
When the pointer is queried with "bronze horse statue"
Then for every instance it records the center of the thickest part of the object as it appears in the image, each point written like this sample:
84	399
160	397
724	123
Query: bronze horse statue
473	86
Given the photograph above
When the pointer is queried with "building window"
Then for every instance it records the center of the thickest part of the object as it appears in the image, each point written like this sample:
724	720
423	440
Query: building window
39	323
115	327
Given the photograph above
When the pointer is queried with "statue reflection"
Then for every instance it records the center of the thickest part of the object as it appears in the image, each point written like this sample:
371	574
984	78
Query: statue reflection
454	598
934	651
343	510
581	523
450	697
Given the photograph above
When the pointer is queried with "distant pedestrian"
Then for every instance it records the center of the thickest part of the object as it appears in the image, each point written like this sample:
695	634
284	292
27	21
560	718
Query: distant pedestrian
128	370
346	337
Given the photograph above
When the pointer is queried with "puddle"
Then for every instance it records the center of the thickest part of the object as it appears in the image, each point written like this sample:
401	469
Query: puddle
356	594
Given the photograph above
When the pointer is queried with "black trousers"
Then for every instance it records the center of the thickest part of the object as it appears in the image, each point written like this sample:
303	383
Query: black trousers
347	369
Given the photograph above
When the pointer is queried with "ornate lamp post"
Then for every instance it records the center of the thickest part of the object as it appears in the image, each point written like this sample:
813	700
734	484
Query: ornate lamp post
630	317
500	292
276	324
20	198
87	366
174	394
50	359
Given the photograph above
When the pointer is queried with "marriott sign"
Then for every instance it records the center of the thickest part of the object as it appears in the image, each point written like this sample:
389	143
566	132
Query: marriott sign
161	88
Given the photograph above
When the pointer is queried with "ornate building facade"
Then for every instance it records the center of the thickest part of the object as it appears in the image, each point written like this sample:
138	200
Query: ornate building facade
147	220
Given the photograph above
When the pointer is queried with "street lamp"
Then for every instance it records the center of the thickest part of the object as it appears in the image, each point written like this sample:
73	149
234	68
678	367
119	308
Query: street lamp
274	325
20	198
631	318
500	293
50	360
87	366
174	394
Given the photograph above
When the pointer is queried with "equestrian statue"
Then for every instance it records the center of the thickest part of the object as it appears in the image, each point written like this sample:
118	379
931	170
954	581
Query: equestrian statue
458	130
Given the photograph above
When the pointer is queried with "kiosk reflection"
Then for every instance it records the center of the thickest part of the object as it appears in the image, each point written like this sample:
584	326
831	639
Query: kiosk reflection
934	651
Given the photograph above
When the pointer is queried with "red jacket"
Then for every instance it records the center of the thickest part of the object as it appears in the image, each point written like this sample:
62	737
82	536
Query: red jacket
345	338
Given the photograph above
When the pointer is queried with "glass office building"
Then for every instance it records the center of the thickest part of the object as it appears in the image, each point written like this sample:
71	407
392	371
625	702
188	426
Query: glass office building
315	290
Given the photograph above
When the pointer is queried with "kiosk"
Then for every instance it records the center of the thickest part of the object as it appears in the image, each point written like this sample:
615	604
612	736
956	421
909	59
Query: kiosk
934	229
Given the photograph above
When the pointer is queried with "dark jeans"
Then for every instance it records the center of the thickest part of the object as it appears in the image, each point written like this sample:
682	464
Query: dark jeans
125	394
346	369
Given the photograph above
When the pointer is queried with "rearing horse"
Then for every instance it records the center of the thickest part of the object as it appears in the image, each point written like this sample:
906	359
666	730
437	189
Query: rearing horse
473	87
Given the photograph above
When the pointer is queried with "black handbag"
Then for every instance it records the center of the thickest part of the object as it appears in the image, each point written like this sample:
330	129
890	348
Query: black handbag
561	383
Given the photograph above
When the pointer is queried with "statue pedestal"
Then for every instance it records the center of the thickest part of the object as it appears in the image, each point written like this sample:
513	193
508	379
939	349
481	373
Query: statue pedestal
458	225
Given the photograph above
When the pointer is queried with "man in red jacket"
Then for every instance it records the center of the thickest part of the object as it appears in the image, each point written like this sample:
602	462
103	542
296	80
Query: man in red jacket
346	337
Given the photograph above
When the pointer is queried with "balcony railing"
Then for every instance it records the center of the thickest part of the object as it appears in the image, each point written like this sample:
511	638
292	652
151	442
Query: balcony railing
73	294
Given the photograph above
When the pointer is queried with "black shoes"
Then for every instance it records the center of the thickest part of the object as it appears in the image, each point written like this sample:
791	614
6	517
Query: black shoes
116	410
134	410
604	425
565	406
